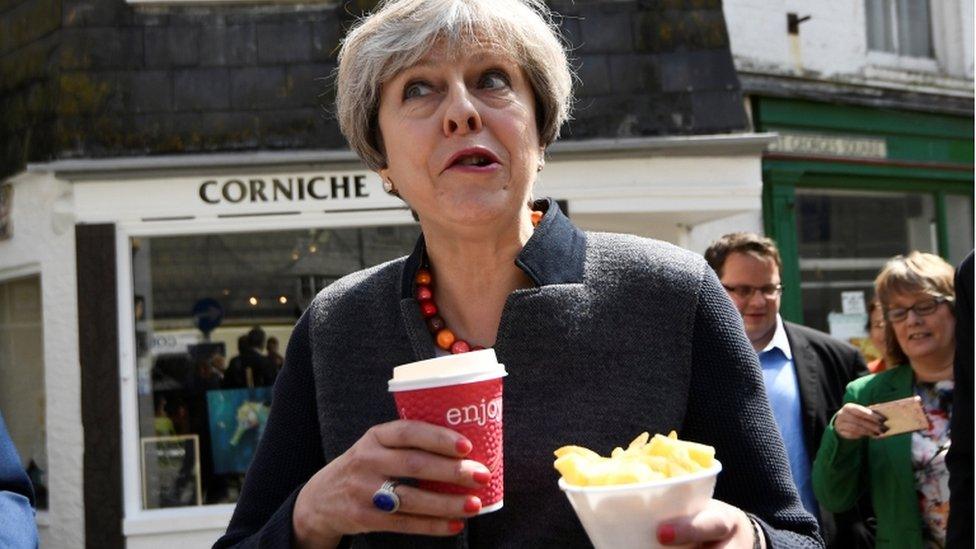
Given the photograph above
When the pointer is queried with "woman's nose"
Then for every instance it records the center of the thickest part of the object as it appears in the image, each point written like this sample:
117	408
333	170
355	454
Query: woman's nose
461	116
913	317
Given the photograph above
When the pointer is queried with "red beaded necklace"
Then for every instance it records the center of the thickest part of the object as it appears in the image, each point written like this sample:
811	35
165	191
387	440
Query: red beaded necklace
443	336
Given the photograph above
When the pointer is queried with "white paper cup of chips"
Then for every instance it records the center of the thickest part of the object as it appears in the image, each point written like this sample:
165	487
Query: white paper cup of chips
623	516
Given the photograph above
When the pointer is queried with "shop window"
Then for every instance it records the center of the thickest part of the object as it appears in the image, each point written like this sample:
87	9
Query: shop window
844	238
207	308
901	27
959	221
22	377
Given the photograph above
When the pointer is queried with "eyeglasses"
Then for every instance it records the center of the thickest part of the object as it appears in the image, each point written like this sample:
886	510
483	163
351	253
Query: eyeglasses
922	308
769	291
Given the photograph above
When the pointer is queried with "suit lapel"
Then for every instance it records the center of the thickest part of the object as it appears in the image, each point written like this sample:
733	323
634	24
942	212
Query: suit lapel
806	364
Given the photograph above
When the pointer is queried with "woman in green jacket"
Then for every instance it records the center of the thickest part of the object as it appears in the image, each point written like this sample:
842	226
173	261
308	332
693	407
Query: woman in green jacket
905	474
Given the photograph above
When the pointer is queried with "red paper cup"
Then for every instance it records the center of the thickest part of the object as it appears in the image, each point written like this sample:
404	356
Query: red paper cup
464	393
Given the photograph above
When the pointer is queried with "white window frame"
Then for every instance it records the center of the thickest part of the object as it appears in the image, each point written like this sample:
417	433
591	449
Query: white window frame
42	517
894	60
138	521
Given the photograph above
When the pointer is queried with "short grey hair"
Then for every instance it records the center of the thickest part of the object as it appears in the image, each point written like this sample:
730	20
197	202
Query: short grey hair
401	32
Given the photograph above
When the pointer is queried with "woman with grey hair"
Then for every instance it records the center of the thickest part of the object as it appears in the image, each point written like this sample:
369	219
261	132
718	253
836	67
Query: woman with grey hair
453	103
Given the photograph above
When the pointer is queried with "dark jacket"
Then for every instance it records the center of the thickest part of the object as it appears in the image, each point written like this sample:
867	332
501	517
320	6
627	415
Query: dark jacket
960	459
262	370
619	335
824	366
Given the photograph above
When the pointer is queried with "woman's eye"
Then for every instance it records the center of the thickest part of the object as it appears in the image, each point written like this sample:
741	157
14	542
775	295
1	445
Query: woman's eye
493	80
416	89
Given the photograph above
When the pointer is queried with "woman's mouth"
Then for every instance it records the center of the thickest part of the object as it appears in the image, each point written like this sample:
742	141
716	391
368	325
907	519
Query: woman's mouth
475	159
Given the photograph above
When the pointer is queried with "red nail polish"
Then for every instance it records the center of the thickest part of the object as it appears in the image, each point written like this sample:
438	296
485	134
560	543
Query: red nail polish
665	533
455	526
472	505
481	477
463	446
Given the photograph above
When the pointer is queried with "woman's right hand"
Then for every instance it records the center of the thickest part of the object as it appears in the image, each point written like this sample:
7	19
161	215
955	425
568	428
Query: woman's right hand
338	499
854	421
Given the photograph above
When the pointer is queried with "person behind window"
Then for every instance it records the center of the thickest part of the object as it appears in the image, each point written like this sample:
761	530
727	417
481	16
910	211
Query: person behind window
453	103
905	474
876	333
162	423
273	355
218	366
17	525
234	376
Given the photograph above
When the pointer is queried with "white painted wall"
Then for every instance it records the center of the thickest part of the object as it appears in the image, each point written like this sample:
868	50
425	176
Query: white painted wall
43	242
832	45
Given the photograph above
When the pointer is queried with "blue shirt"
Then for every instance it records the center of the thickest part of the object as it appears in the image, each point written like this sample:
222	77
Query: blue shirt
17	526
779	375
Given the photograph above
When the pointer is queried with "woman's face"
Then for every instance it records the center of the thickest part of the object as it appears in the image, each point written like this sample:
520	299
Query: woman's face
460	138
921	337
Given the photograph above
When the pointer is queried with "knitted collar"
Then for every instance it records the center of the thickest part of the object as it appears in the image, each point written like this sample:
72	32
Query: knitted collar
553	255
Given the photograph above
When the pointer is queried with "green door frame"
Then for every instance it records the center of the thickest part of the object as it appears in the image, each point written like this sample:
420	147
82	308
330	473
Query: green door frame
781	178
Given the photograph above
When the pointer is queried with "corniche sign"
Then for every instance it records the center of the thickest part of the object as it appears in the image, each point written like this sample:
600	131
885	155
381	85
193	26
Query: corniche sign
180	198
283	189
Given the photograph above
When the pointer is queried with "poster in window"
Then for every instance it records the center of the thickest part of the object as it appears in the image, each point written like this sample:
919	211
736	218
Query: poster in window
171	471
237	421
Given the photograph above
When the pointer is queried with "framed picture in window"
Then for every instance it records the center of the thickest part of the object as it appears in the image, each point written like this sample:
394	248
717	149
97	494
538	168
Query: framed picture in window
171	471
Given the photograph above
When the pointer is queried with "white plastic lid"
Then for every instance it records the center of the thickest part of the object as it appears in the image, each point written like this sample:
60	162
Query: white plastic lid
468	367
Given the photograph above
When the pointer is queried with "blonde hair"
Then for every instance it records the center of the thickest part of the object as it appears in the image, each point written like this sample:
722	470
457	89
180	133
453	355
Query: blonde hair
401	32
910	274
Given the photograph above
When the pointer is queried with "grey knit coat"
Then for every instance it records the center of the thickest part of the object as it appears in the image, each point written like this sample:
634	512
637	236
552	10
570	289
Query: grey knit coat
619	335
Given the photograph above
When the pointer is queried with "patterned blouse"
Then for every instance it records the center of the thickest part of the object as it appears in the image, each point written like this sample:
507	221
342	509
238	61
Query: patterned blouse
929	448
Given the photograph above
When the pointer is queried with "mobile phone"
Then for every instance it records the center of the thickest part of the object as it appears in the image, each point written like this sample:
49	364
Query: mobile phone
904	415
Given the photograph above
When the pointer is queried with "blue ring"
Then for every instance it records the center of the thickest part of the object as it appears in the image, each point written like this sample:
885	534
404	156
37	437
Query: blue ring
386	499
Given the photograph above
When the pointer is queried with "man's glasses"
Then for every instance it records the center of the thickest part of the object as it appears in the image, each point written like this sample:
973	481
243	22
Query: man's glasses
769	291
922	308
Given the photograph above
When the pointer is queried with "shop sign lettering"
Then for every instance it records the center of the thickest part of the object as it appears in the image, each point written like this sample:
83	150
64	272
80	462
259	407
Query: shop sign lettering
283	189
830	145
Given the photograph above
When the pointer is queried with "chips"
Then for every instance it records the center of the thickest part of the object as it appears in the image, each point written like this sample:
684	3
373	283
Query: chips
645	459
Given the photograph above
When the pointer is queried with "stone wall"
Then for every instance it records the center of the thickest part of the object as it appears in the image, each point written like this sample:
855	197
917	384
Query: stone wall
103	78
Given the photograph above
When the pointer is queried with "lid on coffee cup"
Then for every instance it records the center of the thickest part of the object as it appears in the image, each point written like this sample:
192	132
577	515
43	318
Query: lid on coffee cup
447	370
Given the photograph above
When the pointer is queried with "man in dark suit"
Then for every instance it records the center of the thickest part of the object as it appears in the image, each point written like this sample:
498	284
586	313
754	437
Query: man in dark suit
805	371
960	458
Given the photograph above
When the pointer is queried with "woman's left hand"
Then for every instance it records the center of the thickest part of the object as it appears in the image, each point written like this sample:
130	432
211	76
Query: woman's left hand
717	525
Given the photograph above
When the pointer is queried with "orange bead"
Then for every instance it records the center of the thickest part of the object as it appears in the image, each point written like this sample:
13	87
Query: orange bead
423	277
445	338
536	217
